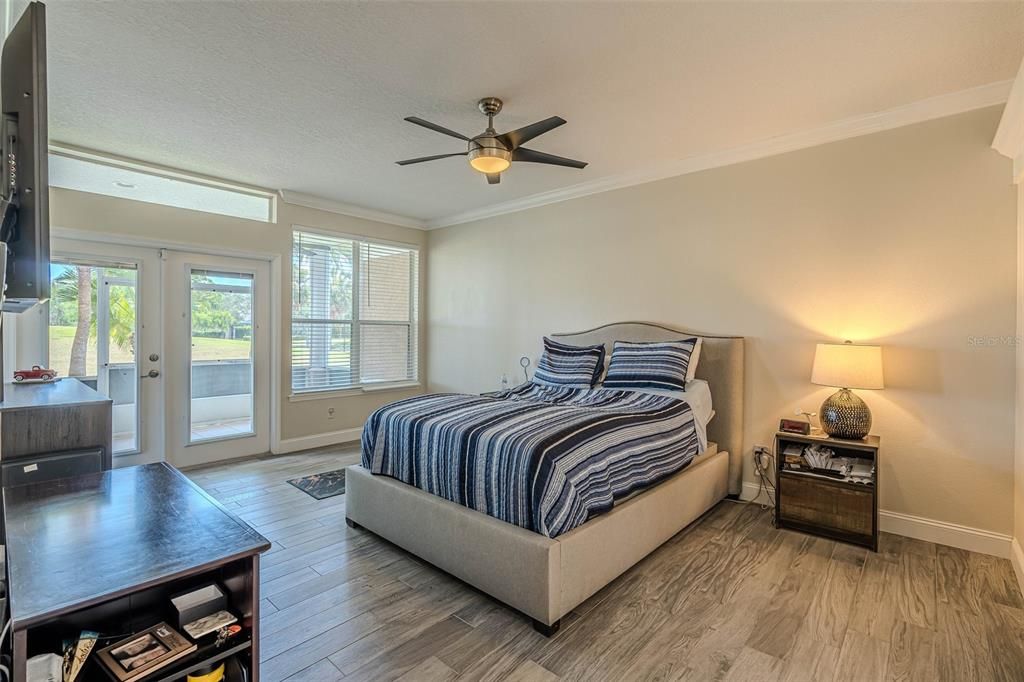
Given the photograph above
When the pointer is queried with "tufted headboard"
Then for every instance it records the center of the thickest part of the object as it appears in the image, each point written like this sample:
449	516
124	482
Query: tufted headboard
720	364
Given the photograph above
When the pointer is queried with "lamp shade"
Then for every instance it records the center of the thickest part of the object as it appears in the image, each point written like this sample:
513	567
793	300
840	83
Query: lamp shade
845	365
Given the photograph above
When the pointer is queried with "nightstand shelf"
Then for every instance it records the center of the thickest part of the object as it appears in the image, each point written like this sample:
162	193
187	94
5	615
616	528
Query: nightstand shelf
838	508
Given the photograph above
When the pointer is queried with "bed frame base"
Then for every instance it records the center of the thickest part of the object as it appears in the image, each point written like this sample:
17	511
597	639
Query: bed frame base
540	626
545	629
541	577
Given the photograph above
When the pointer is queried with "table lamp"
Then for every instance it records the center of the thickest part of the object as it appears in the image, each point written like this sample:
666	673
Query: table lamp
846	366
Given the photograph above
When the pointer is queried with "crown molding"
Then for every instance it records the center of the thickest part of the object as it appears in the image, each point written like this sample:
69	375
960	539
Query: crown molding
1009	139
341	208
118	161
917	112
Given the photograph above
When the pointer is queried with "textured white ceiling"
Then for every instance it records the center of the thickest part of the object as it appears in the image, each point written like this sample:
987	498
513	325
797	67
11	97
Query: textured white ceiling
310	96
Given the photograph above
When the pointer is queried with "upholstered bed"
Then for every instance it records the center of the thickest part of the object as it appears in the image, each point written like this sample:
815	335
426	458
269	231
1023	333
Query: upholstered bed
545	577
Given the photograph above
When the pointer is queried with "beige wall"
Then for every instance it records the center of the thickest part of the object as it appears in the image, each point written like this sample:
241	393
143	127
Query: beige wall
1018	488
208	232
904	238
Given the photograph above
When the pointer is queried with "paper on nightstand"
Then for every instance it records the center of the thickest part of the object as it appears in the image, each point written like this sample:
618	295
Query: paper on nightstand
820	457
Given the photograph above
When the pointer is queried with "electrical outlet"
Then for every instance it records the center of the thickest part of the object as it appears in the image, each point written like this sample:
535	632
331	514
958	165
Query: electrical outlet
762	458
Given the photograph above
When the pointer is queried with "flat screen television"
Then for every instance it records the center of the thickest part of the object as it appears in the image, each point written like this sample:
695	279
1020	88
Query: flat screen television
24	184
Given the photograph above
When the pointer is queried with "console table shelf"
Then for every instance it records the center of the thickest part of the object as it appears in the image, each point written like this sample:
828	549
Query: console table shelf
58	416
106	551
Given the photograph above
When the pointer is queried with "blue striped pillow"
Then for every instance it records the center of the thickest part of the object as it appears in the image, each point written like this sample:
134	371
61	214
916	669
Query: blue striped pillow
649	365
569	366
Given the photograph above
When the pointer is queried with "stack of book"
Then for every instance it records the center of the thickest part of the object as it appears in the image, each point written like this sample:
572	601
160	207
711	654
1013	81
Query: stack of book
793	456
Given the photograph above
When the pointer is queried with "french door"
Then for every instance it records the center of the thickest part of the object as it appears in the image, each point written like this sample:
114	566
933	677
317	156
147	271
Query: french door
103	327
179	341
218	357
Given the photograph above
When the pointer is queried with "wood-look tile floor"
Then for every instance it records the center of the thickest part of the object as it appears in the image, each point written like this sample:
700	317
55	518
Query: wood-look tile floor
729	598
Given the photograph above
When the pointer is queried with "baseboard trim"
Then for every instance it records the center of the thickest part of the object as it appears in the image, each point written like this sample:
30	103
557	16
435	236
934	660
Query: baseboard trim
1017	559
945	533
931	530
752	492
319	440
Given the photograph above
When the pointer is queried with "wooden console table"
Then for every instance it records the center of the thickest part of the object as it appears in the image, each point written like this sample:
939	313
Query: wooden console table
106	551
54	417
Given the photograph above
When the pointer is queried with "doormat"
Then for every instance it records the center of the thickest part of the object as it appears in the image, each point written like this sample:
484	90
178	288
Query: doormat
322	486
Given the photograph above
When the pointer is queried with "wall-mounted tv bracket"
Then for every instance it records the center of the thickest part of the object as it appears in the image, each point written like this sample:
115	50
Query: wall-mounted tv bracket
9	193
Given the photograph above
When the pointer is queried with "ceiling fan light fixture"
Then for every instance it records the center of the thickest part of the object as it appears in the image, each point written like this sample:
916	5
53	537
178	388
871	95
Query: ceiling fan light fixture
488	159
492	154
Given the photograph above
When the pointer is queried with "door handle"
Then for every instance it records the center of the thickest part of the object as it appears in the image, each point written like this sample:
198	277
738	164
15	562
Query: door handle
152	374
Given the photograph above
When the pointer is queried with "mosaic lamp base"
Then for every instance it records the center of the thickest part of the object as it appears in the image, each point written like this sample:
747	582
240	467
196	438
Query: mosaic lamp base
845	415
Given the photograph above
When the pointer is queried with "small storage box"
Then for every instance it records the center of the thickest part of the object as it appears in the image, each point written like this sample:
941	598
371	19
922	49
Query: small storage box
197	603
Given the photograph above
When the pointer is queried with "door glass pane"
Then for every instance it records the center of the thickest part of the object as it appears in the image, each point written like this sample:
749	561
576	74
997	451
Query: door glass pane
222	355
92	335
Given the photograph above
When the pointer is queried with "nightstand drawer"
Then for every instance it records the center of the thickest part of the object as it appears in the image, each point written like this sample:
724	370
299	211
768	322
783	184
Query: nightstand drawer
818	502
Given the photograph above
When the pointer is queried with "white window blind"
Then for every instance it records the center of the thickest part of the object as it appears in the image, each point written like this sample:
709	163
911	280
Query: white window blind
354	313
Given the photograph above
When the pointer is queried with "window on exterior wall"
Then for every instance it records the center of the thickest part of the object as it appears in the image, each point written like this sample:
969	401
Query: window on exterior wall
354	313
135	182
92	329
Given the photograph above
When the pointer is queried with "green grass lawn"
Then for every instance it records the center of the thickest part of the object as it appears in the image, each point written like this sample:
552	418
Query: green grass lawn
202	349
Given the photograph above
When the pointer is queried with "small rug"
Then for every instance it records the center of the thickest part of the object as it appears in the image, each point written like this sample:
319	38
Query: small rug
322	486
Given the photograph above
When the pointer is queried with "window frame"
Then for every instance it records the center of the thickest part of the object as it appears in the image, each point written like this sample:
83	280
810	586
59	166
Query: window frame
73	258
354	322
161	174
190	270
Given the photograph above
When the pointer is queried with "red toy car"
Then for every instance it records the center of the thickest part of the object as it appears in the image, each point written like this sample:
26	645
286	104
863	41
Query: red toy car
36	373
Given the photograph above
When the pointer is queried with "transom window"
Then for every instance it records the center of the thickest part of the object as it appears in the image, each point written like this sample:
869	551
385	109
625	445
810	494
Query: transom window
354	313
86	172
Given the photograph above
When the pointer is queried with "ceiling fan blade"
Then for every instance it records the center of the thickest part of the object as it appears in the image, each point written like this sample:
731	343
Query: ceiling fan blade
436	128
493	178
514	138
429	158
530	156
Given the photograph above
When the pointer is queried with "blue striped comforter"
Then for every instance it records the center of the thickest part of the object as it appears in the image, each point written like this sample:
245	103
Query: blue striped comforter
541	457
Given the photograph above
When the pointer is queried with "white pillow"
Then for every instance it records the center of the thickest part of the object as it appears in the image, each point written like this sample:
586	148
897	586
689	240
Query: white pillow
604	369
691	369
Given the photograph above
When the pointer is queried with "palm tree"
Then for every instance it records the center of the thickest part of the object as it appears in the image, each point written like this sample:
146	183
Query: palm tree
75	286
80	345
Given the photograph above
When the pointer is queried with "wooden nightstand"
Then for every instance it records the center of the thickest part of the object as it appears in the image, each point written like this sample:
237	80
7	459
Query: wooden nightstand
835	508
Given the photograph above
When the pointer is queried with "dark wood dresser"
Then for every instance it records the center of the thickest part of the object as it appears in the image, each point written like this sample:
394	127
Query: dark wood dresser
843	508
61	416
106	551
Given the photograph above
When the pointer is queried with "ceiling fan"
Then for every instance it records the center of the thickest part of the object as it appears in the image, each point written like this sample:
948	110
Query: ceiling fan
491	153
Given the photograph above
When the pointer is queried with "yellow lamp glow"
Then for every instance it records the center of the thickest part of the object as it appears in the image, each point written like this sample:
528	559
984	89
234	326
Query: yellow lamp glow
488	155
489	160
845	365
